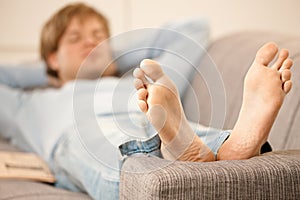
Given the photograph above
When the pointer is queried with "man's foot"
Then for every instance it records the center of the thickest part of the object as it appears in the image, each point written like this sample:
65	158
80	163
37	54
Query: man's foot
264	91
158	98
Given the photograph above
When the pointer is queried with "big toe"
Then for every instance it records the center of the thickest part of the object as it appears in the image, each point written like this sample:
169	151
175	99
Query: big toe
266	53
152	69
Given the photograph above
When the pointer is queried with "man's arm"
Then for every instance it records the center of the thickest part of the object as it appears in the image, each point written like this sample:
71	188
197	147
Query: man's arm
10	101
178	47
24	76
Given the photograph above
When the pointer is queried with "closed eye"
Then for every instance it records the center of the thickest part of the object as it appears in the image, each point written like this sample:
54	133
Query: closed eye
73	37
99	35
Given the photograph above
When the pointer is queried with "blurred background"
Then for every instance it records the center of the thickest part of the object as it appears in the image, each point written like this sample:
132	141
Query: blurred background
21	20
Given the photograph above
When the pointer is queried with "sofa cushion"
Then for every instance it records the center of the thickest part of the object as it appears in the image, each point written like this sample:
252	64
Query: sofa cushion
30	190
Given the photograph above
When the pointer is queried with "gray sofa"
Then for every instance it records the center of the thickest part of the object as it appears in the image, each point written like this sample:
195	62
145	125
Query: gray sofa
274	175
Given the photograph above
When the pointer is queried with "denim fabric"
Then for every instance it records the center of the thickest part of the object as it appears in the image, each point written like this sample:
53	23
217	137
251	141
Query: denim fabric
77	169
212	137
150	146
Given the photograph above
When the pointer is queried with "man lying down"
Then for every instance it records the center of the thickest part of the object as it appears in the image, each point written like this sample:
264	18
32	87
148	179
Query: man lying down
98	112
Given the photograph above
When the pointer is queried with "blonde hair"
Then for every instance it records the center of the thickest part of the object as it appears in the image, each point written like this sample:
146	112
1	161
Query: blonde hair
55	27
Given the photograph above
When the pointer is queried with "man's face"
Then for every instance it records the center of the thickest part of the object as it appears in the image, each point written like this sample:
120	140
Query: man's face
79	39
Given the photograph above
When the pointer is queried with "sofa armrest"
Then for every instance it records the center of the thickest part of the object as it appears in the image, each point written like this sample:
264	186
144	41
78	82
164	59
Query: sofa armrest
274	175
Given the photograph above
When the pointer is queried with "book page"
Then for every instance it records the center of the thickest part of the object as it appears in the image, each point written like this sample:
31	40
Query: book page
20	165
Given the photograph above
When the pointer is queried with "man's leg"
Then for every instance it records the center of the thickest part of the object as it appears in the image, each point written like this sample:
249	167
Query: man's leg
264	92
77	169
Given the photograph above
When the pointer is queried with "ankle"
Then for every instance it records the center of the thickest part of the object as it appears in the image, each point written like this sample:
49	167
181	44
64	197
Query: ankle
181	141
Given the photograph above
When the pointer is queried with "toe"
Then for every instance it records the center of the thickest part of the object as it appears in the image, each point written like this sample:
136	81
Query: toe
287	64
152	69
284	53
139	74
266	53
143	106
142	94
287	86
286	75
138	83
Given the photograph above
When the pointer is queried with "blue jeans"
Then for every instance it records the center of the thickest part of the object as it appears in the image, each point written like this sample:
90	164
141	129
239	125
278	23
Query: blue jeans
77	169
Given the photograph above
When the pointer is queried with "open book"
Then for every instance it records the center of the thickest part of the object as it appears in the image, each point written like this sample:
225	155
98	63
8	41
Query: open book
20	165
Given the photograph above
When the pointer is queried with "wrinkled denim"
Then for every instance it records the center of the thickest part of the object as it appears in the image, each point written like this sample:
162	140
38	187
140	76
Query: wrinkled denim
78	169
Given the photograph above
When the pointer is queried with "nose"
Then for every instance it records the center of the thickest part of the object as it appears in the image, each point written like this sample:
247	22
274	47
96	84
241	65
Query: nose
90	41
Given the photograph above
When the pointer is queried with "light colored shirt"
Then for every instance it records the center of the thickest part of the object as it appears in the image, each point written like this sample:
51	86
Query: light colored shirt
36	120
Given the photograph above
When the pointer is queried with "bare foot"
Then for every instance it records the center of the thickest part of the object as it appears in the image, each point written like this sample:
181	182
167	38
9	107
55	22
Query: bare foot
264	91
161	103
